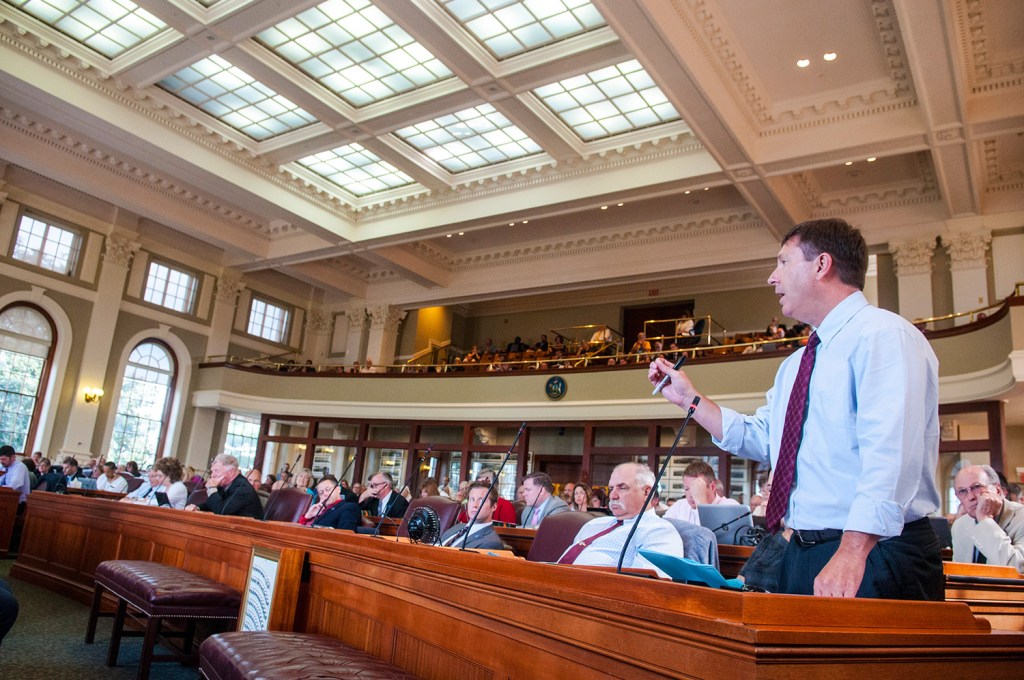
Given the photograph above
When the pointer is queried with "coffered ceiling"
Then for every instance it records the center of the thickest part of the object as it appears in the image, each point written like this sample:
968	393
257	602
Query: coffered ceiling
422	152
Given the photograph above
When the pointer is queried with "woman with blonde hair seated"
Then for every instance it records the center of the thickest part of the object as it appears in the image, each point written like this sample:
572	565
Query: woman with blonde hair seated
304	481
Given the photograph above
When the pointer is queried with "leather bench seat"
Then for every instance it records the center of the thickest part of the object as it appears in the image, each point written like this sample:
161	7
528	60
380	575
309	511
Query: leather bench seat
287	656
158	591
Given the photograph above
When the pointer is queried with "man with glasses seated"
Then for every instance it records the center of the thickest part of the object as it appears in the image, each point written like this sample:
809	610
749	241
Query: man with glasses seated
163	478
379	498
992	529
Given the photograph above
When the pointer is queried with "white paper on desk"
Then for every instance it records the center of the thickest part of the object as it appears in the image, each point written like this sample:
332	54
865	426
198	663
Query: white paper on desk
683	569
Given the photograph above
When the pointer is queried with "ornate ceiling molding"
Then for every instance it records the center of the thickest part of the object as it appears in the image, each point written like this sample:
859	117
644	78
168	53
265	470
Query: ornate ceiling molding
127	169
983	72
774	119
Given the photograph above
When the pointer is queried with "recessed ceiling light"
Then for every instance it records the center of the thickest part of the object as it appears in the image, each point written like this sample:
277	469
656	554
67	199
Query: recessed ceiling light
620	204
849	162
872	159
604	207
829	56
706	188
511	224
526	221
447	235
462	233
687	191
803	63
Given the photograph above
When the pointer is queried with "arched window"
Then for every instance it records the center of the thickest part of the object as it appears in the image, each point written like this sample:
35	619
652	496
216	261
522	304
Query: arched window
143	406
27	337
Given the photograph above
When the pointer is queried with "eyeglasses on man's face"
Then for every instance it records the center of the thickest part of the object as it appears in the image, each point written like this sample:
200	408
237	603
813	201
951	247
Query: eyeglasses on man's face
972	490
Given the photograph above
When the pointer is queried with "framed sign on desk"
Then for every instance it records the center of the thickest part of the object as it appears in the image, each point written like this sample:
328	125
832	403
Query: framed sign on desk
271	589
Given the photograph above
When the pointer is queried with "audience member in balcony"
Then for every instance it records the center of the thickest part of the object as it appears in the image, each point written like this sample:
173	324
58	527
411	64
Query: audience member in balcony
228	492
164	477
379	498
472	356
862	448
15	475
558	346
581	498
602	336
332	509
540	501
516	346
992	529
542	344
481	535
110	480
600	541
684	327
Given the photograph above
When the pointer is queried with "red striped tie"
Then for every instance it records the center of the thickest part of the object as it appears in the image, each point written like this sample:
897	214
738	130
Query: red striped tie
792	431
572	553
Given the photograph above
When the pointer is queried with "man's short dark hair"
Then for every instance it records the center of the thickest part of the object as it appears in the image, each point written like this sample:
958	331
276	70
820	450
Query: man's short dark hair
699	468
541	479
836	237
110	465
491	496
7	451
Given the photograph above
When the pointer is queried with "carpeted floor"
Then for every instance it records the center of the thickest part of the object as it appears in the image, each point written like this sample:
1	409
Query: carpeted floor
46	642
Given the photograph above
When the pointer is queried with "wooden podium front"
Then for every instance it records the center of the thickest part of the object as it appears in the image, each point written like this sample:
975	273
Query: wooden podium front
440	613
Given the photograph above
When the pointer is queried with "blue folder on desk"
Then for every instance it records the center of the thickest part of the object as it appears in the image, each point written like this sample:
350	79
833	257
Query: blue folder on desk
683	569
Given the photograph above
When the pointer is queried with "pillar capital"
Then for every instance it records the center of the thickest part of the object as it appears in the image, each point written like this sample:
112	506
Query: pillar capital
967	250
912	256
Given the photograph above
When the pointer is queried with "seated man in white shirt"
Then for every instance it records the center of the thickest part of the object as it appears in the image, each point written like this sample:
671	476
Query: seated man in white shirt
600	541
110	480
992	529
15	475
481	534
701	489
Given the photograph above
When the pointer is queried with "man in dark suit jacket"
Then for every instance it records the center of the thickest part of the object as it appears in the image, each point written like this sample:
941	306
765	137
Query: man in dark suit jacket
380	499
540	500
481	533
333	509
229	492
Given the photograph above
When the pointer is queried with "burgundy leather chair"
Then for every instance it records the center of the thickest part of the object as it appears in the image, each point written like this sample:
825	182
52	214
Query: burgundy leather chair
555	534
287	505
134	483
447	511
198	496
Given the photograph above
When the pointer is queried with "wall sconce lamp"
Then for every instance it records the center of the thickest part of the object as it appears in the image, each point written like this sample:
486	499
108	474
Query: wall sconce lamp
93	395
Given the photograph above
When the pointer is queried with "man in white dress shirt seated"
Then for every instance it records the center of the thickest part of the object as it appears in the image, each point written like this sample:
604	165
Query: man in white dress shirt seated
701	489
538	490
600	541
992	530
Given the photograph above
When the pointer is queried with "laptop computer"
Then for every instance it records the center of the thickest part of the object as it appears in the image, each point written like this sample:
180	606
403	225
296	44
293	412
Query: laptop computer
727	521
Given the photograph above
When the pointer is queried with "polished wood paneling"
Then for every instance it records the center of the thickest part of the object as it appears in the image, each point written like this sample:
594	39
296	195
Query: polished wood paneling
441	613
8	516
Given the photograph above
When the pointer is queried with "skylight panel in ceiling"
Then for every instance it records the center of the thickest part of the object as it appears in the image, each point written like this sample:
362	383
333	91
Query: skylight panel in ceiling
609	101
356	170
108	26
231	95
472	138
511	27
354	50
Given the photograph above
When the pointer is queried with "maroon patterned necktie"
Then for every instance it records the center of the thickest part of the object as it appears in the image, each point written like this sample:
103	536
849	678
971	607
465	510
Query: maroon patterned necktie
572	553
785	466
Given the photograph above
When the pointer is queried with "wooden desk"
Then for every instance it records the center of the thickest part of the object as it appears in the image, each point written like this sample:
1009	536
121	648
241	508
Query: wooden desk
95	493
8	516
996	593
518	539
441	613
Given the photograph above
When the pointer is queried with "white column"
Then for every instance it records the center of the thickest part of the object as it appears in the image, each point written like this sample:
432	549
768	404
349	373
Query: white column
318	335
1007	263
117	257
358	322
384	322
913	263
204	420
968	259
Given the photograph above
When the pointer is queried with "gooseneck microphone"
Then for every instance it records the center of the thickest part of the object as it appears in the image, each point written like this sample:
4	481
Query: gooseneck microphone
288	468
657	481
494	481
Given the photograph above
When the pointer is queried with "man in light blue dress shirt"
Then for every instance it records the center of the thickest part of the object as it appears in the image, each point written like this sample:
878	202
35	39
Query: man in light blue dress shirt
864	481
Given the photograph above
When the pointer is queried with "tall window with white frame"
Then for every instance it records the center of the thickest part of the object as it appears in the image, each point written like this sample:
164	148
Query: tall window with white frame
27	338
45	245
268	320
242	437
144	404
170	287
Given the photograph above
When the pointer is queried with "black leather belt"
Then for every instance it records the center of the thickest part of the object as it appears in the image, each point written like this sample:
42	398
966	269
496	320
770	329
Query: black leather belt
807	538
